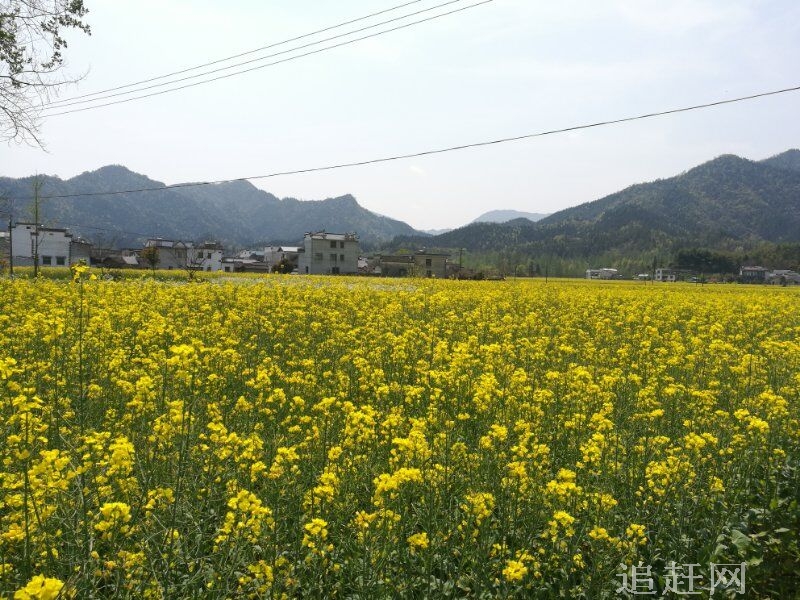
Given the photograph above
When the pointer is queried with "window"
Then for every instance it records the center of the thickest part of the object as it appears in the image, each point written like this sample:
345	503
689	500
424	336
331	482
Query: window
47	260
333	257
429	274
341	244
341	258
61	260
333	244
318	256
427	262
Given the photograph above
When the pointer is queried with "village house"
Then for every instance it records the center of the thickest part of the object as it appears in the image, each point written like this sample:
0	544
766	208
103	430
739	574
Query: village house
286	255
169	254
55	247
174	254
668	275
418	264
783	277
329	254
753	274
602	273
206	257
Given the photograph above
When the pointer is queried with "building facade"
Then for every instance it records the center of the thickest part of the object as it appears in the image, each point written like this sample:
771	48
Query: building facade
419	264
171	254
604	273
205	257
185	255
753	274
329	254
54	247
282	256
666	275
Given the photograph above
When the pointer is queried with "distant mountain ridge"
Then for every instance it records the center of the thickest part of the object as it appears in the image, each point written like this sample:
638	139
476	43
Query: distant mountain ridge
726	203
503	216
236	213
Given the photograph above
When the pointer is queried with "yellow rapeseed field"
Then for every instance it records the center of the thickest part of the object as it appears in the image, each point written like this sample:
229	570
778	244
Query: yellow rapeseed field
281	437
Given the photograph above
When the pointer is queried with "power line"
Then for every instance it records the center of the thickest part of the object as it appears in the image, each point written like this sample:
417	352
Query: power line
234	56
277	62
75	101
438	150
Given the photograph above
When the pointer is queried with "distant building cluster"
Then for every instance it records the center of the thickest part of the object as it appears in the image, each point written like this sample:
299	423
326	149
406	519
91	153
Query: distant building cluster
321	253
747	274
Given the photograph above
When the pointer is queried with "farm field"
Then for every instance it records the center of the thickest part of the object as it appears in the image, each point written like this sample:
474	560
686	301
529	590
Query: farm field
281	437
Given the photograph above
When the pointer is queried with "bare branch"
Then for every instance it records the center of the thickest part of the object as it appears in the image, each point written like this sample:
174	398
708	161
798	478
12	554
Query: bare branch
31	60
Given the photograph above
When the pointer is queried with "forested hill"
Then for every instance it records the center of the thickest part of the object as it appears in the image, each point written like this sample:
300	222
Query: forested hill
237	213
726	203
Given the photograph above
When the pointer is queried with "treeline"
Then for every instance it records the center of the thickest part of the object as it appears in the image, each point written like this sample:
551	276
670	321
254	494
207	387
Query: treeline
521	261
703	260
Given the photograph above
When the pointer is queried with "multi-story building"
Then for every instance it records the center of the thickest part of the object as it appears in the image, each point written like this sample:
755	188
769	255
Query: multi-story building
167	254
185	255
753	274
419	264
205	257
666	275
329	254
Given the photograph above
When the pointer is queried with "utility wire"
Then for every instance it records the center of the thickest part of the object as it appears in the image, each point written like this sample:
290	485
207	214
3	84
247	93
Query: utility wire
277	62
234	56
438	150
247	62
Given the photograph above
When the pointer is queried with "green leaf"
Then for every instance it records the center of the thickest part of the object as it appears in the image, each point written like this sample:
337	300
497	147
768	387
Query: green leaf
741	540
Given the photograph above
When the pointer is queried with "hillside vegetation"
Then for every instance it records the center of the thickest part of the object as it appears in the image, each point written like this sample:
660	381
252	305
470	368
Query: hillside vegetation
729	204
235	213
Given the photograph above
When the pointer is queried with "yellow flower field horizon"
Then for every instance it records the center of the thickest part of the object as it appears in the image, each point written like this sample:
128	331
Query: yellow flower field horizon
276	437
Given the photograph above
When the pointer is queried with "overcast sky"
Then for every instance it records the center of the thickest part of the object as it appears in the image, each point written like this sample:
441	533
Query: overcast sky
505	68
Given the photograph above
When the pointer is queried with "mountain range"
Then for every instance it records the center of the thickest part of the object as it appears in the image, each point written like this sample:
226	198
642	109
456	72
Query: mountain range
503	216
235	213
726	204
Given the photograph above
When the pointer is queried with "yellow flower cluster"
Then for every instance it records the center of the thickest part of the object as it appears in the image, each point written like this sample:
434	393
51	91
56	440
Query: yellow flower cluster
279	437
40	588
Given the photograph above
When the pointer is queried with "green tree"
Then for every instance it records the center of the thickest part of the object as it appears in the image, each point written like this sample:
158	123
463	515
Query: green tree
151	257
31	46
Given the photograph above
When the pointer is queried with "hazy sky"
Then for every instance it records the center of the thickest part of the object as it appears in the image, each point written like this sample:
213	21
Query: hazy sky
505	68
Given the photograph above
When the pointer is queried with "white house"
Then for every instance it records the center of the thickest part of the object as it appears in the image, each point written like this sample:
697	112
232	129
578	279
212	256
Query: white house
172	254
205	257
329	254
604	273
274	255
666	275
55	247
185	255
